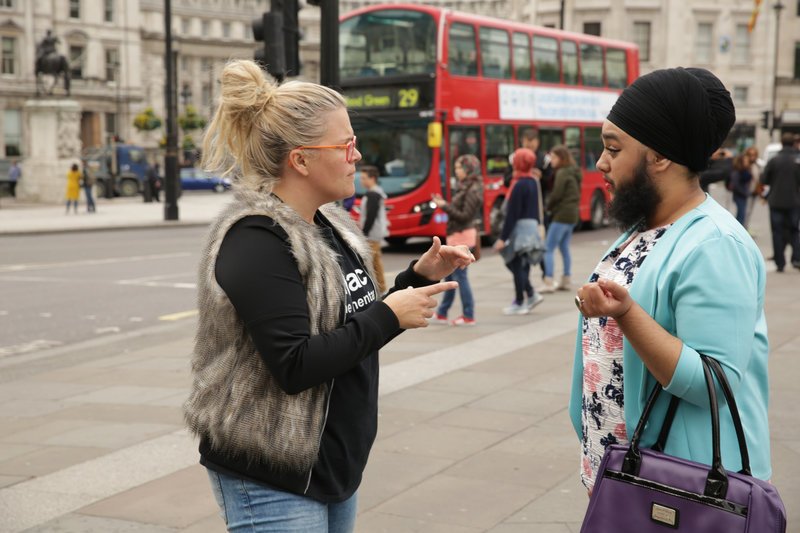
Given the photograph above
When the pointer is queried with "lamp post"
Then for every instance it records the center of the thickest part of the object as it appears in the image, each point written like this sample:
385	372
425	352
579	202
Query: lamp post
778	6
171	156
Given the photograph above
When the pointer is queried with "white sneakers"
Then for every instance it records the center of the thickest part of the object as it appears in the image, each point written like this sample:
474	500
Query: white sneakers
524	308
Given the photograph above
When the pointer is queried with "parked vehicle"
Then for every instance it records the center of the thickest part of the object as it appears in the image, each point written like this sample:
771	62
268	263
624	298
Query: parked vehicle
195	179
123	167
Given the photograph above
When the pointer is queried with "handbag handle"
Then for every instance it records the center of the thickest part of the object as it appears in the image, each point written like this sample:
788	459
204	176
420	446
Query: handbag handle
717	481
661	442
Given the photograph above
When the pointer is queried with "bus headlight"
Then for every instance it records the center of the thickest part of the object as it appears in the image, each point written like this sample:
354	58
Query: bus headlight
428	206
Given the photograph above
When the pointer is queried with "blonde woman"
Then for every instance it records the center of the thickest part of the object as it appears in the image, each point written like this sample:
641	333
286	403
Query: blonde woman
285	365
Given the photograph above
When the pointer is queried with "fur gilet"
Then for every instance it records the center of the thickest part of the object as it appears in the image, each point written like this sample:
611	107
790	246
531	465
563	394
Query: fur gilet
235	402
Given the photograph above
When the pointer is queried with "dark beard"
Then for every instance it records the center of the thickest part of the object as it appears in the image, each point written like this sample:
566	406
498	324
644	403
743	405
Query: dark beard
635	201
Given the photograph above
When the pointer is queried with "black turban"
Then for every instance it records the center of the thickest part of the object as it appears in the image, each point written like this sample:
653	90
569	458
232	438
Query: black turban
683	114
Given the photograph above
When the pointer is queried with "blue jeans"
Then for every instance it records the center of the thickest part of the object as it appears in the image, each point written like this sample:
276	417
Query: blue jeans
251	507
467	302
90	207
741	208
559	236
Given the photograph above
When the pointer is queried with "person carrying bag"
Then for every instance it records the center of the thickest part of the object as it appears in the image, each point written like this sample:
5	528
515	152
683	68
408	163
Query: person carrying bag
461	213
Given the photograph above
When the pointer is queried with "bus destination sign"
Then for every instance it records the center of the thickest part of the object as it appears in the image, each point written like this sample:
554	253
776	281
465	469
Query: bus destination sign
383	98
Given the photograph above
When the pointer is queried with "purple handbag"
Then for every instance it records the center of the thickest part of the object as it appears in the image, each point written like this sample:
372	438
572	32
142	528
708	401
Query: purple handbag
644	490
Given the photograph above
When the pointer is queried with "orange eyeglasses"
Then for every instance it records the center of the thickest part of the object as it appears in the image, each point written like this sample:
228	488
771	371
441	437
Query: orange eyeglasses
349	148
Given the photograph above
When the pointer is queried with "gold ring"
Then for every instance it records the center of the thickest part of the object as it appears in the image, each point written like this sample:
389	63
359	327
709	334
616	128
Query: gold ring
578	301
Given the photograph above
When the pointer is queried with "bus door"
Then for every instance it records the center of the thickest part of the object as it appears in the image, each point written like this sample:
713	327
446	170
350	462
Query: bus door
462	140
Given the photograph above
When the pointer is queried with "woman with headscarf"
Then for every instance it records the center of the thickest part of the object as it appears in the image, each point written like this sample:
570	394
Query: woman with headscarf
521	231
462	211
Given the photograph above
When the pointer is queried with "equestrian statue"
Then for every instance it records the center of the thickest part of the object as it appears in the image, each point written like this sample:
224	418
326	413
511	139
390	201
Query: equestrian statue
50	62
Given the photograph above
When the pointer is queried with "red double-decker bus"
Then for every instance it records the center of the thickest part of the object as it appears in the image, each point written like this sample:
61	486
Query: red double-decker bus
425	85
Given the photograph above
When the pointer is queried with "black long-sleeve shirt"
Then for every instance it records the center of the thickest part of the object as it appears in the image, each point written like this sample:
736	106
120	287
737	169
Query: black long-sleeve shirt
259	275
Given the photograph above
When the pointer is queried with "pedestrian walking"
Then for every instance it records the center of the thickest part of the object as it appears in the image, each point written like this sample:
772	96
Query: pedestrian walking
88	181
285	366
782	176
14	174
520	240
154	181
757	188
741	186
462	211
73	187
684	279
562	206
373	220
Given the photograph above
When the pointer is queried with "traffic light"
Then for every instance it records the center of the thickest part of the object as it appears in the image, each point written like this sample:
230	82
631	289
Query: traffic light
291	33
765	116
268	29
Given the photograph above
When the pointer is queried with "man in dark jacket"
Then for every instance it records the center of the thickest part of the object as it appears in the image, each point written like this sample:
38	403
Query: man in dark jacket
782	176
720	167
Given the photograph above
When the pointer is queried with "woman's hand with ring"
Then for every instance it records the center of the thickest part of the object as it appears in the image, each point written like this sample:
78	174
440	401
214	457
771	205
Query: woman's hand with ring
604	298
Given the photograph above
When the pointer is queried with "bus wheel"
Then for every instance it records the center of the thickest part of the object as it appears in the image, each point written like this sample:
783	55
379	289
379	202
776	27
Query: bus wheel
128	187
496	218
396	241
598	216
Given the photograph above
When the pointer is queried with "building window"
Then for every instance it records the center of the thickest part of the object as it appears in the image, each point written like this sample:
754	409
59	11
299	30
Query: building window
797	60
205	64
7	4
112	64
641	36
205	95
185	23
76	61
74	9
741	47
12	132
591	28
111	124
206	29
740	95
9	57
226	30
702	45
108	12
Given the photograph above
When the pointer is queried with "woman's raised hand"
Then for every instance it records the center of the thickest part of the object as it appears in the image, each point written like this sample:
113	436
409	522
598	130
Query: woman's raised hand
440	261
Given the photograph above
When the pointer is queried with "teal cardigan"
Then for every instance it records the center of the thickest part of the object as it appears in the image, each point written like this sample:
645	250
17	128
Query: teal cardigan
703	283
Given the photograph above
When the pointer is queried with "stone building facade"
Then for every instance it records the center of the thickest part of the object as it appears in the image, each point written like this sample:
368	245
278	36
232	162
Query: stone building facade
116	51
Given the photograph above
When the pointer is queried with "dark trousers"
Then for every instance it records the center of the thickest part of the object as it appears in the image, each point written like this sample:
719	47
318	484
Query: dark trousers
741	208
90	207
520	268
785	225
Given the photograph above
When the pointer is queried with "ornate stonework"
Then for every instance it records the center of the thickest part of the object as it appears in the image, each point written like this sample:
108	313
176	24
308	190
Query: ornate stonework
69	134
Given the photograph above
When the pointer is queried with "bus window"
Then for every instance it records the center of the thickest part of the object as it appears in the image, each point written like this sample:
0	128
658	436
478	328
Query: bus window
387	43
592	65
592	148
464	140
572	139
569	62
616	68
499	145
462	55
522	56
495	55
399	149
549	138
545	59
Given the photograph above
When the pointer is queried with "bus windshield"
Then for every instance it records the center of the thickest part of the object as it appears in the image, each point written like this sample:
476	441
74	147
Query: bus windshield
399	149
387	43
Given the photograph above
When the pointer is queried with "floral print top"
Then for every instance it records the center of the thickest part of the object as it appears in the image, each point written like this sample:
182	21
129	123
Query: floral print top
603	415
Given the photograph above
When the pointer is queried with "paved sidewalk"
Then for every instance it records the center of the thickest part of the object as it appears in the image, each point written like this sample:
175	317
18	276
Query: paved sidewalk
194	208
474	434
